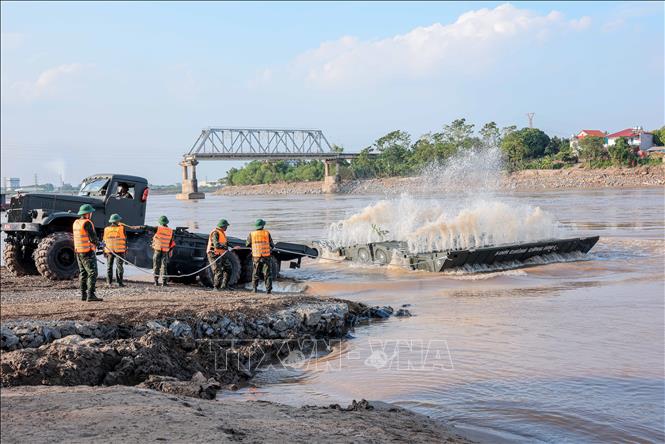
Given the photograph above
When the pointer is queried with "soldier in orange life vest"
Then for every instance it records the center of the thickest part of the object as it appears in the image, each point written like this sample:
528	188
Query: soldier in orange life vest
162	244
220	262
115	241
85	245
261	243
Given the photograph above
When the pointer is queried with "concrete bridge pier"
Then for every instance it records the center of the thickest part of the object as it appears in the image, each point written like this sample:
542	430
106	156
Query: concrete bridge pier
190	186
331	177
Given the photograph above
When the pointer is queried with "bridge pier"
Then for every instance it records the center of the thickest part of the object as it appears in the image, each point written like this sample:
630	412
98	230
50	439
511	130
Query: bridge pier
331	177
190	186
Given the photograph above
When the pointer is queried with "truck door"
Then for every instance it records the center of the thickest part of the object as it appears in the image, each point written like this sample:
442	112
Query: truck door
123	199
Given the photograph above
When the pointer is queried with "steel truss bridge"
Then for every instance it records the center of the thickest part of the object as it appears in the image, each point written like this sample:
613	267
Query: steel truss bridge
260	144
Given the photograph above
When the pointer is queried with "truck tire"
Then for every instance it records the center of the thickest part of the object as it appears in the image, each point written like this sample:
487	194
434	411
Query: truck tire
55	257
363	256
19	260
206	277
248	269
382	256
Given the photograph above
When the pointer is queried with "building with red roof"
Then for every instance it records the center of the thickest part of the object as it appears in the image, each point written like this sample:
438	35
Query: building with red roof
574	140
636	137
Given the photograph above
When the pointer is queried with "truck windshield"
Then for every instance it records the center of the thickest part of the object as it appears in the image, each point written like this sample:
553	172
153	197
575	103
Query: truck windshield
94	187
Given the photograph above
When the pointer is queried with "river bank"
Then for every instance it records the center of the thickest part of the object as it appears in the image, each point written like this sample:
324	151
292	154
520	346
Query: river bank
525	180
155	358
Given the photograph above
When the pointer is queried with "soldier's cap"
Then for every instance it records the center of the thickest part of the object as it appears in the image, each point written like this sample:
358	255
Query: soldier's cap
223	223
115	218
163	220
260	223
85	209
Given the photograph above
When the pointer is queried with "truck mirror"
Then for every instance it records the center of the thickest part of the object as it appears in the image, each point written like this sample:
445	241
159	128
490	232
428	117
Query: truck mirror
144	197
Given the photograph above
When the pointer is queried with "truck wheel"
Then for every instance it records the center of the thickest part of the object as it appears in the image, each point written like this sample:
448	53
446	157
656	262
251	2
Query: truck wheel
19	260
55	257
382	256
248	269
363	255
206	277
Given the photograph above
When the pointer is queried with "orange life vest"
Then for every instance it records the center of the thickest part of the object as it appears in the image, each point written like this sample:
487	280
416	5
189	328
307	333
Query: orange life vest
222	240
163	239
260	243
82	243
115	239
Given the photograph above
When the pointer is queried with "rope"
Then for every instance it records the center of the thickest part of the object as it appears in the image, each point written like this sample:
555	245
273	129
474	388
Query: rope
165	275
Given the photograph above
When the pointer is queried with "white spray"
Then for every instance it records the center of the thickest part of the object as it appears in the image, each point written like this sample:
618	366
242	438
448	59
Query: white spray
466	215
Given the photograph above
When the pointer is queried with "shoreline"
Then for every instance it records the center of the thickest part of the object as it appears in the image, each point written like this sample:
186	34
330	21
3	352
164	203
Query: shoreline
524	180
148	355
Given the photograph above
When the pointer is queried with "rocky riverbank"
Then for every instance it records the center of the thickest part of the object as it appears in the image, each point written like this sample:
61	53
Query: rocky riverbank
526	180
61	356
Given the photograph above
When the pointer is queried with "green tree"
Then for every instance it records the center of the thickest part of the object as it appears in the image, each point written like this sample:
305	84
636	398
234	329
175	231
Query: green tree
591	148
621	152
394	149
490	135
364	167
514	148
556	144
659	136
459	134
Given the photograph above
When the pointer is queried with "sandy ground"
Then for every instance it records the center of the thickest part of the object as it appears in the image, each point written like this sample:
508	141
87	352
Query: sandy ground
128	414
36	298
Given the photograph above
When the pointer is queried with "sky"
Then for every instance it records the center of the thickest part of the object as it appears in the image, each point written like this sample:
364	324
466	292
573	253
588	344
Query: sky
127	87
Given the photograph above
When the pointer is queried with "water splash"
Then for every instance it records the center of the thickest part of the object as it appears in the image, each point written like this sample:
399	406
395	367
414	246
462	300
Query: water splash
470	218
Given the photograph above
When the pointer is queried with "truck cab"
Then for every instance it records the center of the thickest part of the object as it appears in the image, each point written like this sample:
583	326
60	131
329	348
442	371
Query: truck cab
39	225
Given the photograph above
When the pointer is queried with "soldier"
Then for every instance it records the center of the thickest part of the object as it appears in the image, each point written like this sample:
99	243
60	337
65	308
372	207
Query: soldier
85	244
261	243
162	245
115	244
218	256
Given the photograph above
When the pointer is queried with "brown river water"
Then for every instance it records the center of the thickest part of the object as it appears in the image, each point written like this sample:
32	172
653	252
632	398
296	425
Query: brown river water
561	352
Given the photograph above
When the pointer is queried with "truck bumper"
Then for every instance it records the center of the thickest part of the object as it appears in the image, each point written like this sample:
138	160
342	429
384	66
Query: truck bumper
21	226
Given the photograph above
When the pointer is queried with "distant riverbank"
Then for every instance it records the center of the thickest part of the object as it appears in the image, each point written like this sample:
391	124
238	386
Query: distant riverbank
525	180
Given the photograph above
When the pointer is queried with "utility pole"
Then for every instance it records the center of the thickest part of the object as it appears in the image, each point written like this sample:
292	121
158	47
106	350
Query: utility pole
530	116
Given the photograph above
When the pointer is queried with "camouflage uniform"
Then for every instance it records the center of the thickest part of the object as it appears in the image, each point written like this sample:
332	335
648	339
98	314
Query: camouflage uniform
221	267
119	270
160	260
87	263
262	266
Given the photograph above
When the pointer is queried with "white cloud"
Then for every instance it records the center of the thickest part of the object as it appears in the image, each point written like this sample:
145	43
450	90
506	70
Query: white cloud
470	43
48	81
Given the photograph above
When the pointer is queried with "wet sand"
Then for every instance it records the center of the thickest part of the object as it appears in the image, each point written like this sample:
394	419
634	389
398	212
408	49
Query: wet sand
128	414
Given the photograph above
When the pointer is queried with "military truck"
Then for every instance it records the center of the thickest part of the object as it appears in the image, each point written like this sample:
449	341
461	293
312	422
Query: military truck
39	236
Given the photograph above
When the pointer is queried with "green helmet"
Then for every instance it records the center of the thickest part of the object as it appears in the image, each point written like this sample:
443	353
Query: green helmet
260	223
85	209
163	220
223	223
115	218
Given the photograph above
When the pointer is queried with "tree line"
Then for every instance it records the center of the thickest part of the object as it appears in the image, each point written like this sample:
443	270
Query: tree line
395	154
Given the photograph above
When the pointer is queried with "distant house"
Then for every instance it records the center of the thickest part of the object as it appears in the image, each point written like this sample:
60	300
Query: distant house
575	139
638	138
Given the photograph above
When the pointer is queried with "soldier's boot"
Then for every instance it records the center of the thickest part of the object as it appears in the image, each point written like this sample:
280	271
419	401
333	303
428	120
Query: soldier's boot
225	283
156	281
93	298
120	278
255	290
109	281
269	291
84	295
120	283
165	283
